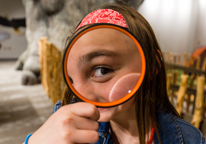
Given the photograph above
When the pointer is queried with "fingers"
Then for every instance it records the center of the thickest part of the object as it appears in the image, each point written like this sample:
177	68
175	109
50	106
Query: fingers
78	123
72	124
86	124
85	136
80	130
83	109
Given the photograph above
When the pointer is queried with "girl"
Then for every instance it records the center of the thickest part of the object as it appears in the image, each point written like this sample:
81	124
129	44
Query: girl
148	117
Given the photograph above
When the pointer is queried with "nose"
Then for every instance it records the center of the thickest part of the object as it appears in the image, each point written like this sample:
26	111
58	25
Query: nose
86	91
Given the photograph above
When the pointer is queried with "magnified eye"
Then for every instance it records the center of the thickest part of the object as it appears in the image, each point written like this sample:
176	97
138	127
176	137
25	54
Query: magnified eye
101	71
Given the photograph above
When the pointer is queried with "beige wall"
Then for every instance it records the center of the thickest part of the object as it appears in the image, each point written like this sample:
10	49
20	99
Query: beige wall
200	37
180	25
12	48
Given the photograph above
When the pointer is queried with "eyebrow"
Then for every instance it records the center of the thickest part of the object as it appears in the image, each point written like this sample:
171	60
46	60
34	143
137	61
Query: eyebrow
91	55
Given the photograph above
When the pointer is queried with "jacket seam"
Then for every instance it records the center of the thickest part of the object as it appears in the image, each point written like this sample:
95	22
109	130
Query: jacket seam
180	137
189	124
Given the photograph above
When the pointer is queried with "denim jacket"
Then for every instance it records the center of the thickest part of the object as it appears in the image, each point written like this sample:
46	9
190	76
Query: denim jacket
172	130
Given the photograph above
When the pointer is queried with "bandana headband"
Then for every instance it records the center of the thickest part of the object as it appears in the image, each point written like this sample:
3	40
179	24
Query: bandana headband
103	16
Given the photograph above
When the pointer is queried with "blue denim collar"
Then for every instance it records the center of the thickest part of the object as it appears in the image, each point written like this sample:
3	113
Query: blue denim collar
104	127
168	128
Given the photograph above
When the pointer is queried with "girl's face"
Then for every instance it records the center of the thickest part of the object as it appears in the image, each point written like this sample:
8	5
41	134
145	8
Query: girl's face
97	60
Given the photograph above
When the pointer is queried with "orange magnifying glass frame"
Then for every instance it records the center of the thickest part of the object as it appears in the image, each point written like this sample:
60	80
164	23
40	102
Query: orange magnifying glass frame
129	95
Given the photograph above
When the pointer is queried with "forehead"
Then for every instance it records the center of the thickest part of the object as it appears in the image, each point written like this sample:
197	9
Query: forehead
103	38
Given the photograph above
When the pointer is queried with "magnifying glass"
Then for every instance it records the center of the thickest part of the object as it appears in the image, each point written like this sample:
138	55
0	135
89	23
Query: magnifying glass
120	86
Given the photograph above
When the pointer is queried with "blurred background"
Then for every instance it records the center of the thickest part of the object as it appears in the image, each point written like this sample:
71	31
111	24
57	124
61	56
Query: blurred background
34	31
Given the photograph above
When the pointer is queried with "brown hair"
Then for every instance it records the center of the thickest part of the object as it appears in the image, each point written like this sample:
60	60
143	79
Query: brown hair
153	93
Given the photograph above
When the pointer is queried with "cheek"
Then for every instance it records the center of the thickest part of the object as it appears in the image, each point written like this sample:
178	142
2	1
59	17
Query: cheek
117	89
110	113
107	115
129	106
102	90
123	86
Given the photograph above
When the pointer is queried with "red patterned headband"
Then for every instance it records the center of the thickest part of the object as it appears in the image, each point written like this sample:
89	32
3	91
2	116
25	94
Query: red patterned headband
103	16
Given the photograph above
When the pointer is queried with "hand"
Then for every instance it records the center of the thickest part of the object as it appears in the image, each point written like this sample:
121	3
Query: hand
71	124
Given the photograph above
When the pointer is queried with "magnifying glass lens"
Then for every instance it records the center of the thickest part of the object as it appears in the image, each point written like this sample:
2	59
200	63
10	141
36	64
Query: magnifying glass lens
104	64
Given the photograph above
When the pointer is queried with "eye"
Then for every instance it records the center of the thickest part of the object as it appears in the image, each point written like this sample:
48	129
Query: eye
101	71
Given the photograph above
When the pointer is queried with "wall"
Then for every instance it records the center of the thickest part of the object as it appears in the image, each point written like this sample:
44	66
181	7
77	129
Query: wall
178	24
200	36
13	43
